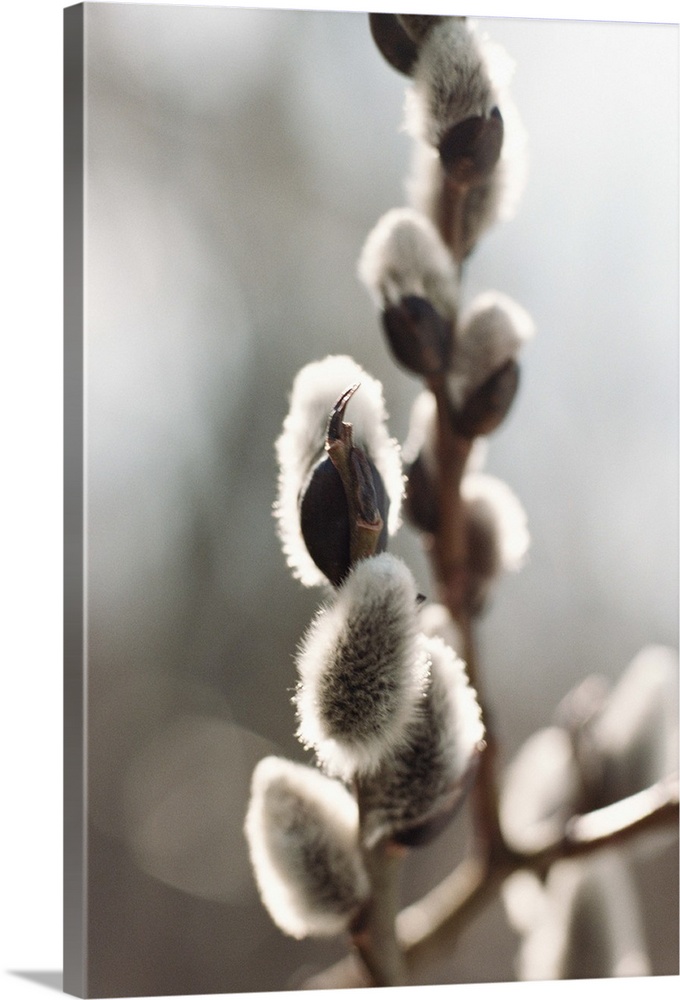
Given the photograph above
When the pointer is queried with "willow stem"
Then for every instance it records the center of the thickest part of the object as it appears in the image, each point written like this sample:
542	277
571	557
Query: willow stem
447	547
451	217
375	935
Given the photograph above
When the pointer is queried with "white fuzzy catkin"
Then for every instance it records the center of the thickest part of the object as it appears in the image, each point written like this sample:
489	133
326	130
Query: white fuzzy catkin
491	332
462	74
302	832
424	775
435	620
359	678
540	789
315	391
451	82
405	255
636	732
500	518
420	441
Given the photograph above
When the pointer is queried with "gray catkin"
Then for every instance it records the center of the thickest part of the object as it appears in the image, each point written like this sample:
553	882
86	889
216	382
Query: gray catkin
426	773
302	833
359	674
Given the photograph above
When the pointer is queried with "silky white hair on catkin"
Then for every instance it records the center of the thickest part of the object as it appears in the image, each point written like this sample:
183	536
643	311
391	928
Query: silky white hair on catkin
405	255
315	391
359	677
420	441
302	833
435	620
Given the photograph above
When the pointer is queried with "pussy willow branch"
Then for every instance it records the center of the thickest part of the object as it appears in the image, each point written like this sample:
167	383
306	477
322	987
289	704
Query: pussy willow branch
393	949
427	929
447	549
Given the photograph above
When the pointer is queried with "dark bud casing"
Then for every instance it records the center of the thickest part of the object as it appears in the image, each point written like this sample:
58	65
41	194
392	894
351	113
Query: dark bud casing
489	403
471	149
420	339
324	517
393	42
419	26
423	833
420	504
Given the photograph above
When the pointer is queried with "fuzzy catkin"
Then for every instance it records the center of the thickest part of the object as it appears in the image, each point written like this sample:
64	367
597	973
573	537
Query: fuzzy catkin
435	620
492	331
302	833
635	735
498	536
451	82
459	75
404	255
316	389
358	670
425	776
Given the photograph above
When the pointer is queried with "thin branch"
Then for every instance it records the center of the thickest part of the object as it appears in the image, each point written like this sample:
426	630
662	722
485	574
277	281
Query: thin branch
432	925
427	929
614	824
447	547
375	939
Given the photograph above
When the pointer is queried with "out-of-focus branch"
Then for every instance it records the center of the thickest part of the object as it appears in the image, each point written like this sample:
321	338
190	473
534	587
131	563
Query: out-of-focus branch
429	928
614	824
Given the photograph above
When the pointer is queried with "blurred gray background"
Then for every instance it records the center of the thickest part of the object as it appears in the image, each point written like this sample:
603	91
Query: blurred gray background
235	161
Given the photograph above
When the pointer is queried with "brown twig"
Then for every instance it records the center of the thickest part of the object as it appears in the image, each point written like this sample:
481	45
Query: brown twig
447	547
615	824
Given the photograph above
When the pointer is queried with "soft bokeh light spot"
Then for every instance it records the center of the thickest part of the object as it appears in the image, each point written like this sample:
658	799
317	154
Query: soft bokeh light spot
185	799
